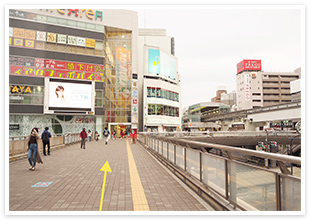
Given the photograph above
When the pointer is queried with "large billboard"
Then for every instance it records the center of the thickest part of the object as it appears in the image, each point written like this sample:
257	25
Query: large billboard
162	64
249	65
68	96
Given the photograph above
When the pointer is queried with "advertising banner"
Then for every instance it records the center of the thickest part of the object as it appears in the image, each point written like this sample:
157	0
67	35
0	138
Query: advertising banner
154	61
70	95
162	63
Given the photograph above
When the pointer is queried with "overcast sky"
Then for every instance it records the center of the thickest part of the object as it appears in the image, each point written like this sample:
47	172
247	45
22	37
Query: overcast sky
209	42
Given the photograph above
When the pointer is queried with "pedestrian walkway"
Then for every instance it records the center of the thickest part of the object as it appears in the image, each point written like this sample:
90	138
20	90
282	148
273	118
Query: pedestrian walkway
70	180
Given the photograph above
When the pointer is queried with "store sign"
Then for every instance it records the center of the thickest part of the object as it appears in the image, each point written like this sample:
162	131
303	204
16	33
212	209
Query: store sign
89	13
20	89
61	39
249	65
41	36
72	40
51	37
13	127
30	34
81	41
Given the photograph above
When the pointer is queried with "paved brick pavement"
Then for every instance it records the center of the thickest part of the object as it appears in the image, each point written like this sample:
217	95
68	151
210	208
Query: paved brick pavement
77	181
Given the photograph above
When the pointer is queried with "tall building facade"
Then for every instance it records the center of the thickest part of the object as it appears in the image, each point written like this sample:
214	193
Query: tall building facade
256	88
160	86
71	69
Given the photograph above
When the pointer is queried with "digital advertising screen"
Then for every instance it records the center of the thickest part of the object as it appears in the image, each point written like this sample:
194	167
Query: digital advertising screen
162	63
68	96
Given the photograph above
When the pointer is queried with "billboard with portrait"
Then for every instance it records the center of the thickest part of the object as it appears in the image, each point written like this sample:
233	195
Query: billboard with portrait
69	95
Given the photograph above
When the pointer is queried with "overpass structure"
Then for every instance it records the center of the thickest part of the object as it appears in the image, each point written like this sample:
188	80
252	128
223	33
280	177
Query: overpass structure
258	117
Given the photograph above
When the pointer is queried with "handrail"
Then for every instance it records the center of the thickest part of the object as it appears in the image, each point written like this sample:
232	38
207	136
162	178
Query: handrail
226	182
262	154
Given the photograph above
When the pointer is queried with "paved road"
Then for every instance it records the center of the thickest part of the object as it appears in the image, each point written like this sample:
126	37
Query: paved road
76	181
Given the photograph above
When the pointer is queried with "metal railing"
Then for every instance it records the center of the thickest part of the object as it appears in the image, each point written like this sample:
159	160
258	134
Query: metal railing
18	144
246	186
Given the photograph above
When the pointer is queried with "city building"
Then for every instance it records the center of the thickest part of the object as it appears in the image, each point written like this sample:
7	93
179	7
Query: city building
295	87
229	98
256	88
71	69
220	90
191	118
160	86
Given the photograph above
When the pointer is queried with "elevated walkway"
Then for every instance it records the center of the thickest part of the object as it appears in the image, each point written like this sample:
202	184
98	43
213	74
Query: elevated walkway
70	179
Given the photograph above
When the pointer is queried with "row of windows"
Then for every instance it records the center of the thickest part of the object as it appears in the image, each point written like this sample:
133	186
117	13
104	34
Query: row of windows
153	92
163	110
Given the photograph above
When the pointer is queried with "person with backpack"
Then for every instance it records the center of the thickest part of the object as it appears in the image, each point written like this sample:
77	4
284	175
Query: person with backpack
45	136
106	134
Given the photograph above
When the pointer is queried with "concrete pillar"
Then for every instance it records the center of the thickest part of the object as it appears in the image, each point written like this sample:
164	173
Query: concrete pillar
249	126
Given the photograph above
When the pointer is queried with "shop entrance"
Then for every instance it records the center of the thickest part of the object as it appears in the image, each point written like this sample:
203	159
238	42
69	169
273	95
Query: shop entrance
118	127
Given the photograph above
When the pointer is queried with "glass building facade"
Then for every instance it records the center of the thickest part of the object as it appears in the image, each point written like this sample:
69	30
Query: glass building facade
44	46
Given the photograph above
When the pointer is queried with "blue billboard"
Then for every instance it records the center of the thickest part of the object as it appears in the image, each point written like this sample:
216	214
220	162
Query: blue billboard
162	63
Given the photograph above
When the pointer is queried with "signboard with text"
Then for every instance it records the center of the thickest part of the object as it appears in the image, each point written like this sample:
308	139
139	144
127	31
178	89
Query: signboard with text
249	65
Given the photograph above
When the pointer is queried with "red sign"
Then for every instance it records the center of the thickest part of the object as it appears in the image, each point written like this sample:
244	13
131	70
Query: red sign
249	65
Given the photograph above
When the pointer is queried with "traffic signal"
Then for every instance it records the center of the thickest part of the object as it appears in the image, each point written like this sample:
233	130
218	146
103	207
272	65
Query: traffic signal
273	144
260	144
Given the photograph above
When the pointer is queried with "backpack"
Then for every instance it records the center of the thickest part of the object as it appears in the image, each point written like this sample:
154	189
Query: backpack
105	132
45	137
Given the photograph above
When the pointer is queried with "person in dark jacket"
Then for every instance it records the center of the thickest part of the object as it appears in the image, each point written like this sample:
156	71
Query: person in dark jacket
83	136
45	136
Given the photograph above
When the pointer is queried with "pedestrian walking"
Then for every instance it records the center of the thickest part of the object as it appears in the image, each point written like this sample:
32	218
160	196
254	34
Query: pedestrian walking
97	135
33	150
45	136
83	136
133	136
122	134
106	134
114	135
89	135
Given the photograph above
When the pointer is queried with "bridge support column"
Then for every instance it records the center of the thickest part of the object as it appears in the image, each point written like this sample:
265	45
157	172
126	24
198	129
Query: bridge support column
249	126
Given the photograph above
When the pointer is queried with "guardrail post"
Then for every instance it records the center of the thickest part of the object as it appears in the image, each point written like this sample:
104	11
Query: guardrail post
13	146
200	166
185	159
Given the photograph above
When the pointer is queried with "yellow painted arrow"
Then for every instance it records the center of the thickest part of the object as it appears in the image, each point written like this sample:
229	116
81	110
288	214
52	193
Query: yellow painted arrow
105	168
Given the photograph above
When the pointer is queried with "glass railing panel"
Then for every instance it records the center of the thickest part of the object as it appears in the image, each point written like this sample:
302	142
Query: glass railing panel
290	194
213	172
165	149
252	188
171	153
192	163
179	156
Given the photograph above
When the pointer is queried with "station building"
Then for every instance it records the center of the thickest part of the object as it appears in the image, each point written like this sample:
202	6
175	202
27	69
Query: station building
256	88
192	116
71	69
160	86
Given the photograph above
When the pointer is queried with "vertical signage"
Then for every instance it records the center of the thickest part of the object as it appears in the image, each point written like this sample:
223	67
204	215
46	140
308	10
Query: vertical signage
247	87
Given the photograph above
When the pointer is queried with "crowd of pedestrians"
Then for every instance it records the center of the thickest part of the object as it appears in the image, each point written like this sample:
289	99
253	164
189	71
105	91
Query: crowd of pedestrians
34	156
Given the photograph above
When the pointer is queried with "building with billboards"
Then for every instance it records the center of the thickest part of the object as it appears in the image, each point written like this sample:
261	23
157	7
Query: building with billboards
256	88
160	85
71	69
